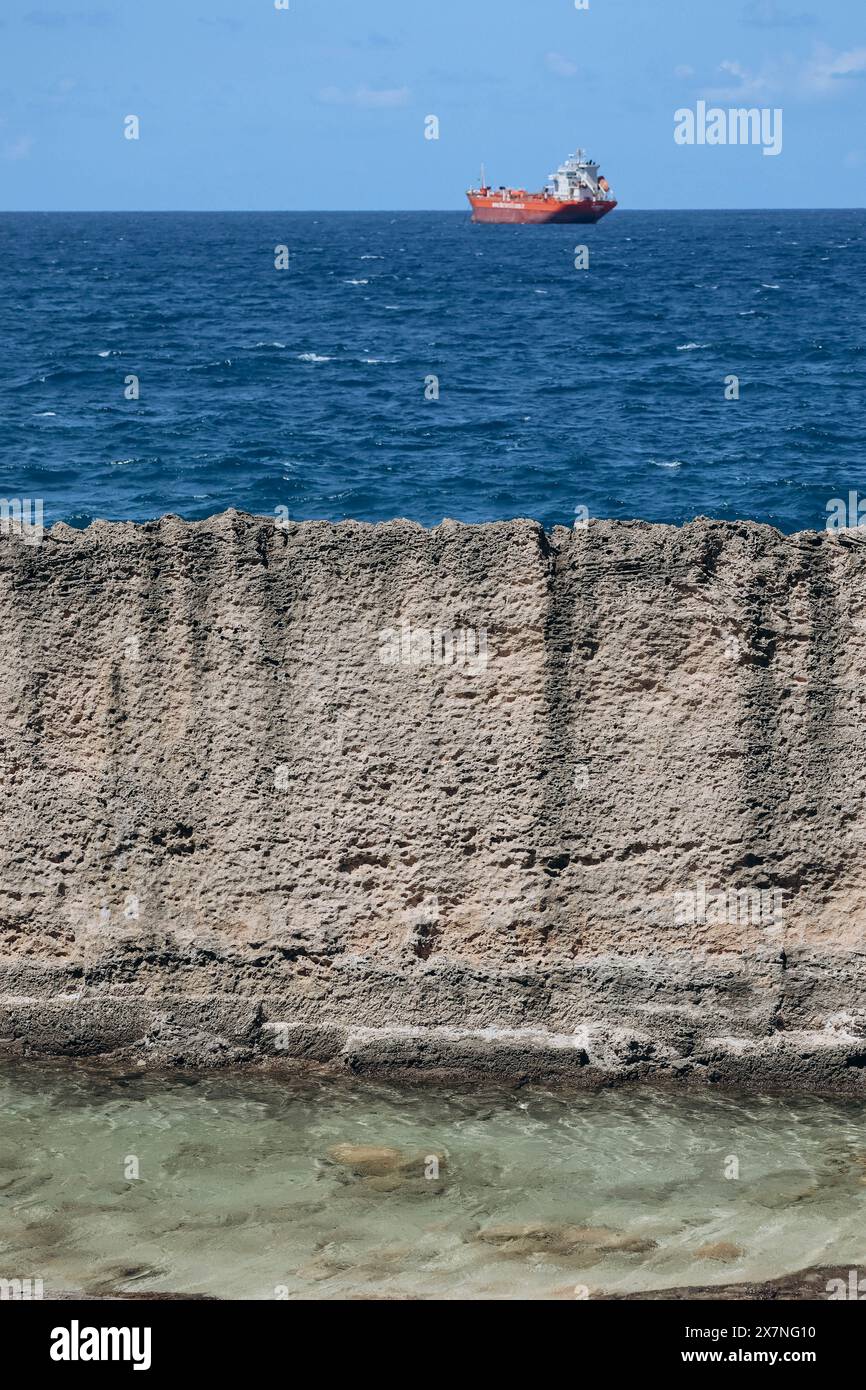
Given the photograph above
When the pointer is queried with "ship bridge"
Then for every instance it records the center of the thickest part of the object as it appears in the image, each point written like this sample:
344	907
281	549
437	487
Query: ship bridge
576	177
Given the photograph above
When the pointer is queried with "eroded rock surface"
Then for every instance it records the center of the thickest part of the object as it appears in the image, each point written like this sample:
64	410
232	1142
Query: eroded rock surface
616	830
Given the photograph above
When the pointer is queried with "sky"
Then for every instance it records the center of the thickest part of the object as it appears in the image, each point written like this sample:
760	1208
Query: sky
324	105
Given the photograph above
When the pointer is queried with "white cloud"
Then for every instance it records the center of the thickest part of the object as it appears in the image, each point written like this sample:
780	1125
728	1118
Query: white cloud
59	19
367	97
827	69
770	14
747	86
20	148
562	66
825	74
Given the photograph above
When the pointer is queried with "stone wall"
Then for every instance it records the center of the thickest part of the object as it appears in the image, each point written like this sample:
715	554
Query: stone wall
586	805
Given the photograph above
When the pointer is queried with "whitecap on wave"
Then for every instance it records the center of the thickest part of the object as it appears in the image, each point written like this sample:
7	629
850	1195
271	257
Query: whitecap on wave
691	347
312	357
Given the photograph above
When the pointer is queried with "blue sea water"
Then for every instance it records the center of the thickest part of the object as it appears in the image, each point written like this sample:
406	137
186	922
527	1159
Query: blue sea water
559	388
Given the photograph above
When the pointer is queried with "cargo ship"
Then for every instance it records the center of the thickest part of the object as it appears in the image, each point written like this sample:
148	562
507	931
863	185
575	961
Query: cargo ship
576	192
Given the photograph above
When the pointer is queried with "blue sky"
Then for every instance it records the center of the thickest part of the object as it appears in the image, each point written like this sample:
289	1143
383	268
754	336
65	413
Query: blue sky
322	106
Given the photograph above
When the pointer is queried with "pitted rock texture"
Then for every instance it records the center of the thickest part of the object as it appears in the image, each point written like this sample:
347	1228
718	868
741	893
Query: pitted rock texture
231	828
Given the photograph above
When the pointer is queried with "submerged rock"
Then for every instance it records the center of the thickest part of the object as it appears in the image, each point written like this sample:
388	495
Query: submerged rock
105	1280
809	1285
386	1182
366	1159
530	1237
369	1161
782	1189
719	1250
122	1295
320	1269
24	1182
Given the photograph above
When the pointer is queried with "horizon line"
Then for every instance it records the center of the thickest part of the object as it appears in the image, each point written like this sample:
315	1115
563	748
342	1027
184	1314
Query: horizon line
370	212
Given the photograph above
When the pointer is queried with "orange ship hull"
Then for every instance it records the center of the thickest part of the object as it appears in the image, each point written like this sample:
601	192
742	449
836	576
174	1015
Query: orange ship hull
534	207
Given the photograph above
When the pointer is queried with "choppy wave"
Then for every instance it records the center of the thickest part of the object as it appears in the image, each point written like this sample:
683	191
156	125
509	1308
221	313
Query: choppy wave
446	388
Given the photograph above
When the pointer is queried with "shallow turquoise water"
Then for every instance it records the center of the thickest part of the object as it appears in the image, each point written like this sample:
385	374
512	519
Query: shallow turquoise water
238	1196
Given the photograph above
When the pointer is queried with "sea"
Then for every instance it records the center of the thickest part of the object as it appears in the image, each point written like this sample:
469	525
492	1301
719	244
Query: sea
279	1187
410	364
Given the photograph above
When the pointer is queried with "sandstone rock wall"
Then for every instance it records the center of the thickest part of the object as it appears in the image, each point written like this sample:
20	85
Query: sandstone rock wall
615	828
